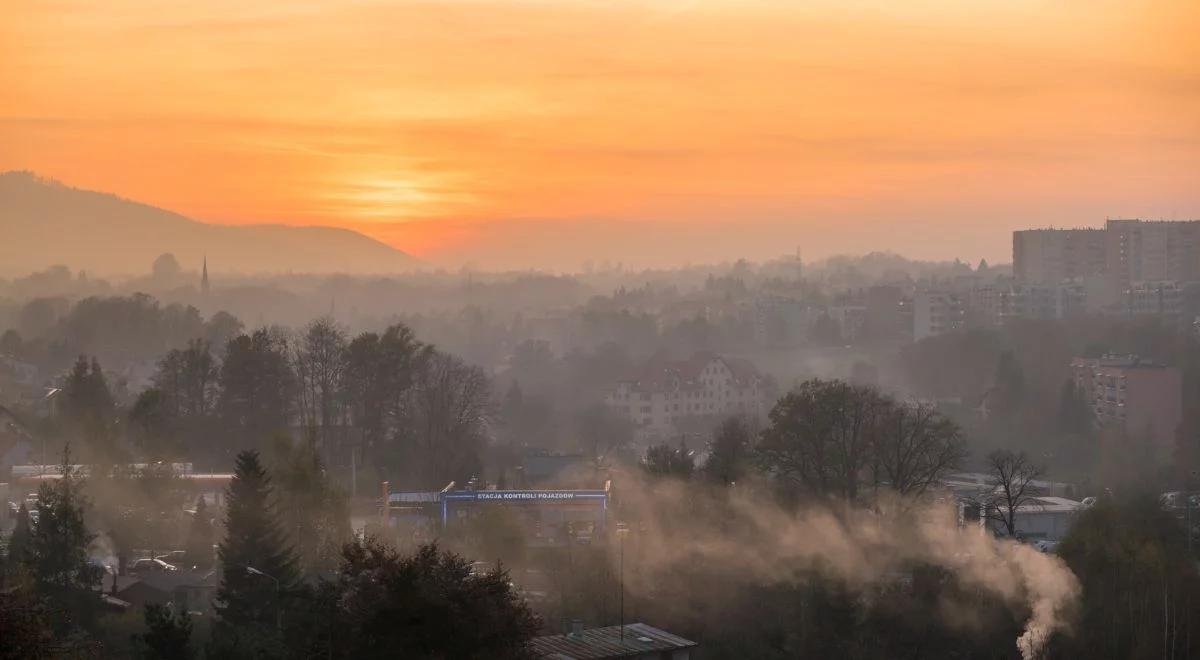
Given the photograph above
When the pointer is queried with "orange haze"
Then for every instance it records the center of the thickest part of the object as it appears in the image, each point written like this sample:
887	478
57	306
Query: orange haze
538	133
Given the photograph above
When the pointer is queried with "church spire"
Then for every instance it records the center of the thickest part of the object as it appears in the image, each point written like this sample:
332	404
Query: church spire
204	277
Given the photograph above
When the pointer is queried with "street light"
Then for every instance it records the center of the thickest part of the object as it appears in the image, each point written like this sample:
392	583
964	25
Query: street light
278	606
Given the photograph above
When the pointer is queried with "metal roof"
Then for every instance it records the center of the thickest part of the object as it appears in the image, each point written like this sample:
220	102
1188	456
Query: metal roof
603	643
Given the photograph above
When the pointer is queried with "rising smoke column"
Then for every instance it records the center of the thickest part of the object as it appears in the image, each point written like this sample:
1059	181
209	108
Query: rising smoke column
684	524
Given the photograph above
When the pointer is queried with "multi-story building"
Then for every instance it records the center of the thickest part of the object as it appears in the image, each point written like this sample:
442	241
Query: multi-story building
937	312
1141	397
665	393
1049	256
1162	299
1138	251
1129	267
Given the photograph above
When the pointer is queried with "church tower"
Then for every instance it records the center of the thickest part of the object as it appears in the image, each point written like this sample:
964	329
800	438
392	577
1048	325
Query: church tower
204	277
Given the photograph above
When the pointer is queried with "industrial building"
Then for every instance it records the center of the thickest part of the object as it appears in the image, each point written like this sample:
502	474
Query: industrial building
549	517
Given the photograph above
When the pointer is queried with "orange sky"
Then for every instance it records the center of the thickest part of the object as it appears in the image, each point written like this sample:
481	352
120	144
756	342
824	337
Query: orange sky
536	133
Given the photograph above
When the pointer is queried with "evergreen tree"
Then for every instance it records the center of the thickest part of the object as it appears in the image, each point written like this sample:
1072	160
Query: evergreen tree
667	461
260	570
427	606
58	553
18	543
729	452
167	635
312	510
87	407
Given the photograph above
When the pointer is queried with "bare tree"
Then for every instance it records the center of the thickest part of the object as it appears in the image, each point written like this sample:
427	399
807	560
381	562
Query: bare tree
320	359
915	447
450	409
1012	476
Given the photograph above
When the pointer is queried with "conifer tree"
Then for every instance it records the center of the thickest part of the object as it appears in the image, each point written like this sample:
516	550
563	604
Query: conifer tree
260	569
58	552
18	543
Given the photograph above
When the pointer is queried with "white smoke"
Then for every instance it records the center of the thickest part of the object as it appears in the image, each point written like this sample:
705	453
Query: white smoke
863	548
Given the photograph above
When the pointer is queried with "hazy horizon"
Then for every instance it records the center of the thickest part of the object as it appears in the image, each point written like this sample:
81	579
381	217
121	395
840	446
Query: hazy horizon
508	134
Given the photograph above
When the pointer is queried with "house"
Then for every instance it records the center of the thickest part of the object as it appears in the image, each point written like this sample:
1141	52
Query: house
634	641
188	591
665	394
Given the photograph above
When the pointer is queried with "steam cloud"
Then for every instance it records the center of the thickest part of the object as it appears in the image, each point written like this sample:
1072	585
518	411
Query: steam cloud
750	533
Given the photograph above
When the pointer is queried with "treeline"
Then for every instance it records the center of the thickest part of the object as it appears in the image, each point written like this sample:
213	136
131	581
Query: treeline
118	330
1015	391
370	602
402	408
840	448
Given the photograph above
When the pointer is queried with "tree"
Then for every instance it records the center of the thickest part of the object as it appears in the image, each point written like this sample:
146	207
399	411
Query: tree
199	545
1012	475
313	511
448	416
188	379
1008	393
426	606
220	328
165	267
258	567
320	365
19	542
256	387
915	447
152	428
87	406
58	553
821	437
379	373
168	635
729	452
1139	584
601	431
24	629
11	343
667	461
1074	413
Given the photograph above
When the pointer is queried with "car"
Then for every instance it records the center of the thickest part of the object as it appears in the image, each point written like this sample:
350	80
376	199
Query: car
1046	545
151	566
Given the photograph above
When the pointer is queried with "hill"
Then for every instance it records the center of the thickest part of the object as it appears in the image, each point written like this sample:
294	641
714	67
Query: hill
44	222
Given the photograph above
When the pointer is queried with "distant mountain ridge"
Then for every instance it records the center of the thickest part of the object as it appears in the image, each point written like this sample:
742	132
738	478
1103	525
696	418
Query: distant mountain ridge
44	222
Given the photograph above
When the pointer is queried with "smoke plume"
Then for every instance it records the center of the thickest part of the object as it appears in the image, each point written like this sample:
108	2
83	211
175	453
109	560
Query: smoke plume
748	533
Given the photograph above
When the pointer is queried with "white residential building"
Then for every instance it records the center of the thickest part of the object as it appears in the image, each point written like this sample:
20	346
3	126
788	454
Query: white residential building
666	393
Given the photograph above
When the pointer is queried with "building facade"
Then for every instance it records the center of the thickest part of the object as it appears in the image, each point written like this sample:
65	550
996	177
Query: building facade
1049	256
1142	398
665	394
936	313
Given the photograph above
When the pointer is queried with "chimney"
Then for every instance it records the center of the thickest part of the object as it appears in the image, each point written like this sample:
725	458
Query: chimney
576	628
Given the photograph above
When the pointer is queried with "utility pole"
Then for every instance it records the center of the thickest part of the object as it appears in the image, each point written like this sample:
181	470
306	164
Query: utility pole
622	530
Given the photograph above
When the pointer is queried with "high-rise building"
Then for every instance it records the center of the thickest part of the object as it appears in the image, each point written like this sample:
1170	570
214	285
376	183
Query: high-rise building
1142	251
1049	256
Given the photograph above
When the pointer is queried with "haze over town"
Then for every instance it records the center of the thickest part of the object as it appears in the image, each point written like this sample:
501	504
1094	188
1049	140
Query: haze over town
566	330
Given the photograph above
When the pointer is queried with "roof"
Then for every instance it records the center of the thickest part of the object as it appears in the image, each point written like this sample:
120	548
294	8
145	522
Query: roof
166	581
602	643
661	373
